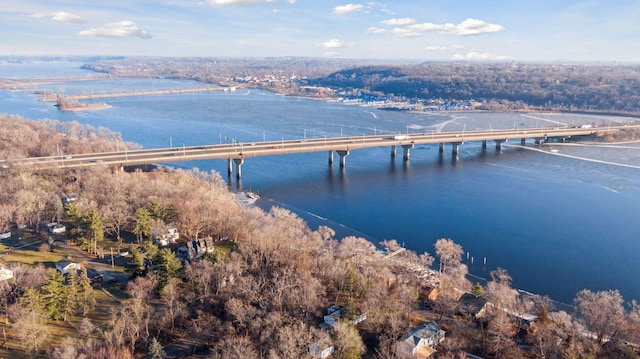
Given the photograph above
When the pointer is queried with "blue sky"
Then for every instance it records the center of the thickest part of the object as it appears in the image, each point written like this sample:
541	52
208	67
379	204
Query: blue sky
503	30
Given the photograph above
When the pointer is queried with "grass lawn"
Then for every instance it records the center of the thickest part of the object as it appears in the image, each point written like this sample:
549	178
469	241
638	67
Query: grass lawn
58	330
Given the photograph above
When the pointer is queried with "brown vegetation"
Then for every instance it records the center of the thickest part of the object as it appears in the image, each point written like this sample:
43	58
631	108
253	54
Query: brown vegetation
266	296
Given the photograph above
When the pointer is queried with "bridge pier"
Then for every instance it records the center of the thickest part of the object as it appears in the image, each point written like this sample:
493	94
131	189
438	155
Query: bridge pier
393	151
230	166
499	144
239	162
441	147
343	158
484	144
330	157
454	147
523	141
406	148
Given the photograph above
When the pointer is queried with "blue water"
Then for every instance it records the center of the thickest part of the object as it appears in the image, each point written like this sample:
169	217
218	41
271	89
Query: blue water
557	224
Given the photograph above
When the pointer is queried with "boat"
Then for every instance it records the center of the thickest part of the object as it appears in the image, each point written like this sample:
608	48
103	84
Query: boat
253	195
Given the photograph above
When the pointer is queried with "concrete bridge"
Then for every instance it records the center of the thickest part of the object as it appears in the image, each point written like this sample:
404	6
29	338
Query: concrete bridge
236	153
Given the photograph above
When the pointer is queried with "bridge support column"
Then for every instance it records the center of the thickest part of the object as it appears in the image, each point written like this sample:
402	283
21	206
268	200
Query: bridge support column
441	147
499	144
484	144
239	162
406	148
330	157
454	147
523	141
393	151
343	158
230	166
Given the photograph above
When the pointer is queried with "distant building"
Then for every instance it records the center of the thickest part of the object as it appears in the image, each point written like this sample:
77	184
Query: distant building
5	273
196	248
64	266
473	305
335	313
165	235
421	341
56	228
321	350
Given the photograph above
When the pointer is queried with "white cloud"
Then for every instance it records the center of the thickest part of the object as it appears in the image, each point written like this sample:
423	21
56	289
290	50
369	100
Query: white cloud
427	26
443	48
399	22
67	17
474	55
61	16
332	44
376	31
466	28
471	27
346	9
38	15
400	32
125	28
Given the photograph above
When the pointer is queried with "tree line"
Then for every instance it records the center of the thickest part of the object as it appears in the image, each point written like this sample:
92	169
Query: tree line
266	296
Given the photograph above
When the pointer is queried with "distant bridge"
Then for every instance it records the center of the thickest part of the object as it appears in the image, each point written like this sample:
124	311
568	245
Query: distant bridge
238	152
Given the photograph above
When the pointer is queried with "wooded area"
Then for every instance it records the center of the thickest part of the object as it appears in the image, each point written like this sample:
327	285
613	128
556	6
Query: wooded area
265	289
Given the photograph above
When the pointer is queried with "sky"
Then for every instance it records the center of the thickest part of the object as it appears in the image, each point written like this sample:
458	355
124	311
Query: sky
425	30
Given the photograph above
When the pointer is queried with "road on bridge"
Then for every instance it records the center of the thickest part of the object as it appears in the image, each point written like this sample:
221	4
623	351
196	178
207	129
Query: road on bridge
240	151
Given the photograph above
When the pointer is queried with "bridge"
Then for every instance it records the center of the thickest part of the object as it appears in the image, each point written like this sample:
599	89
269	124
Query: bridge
236	153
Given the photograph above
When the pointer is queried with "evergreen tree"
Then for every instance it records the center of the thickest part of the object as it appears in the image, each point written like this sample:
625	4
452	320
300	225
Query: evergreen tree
168	266
156	351
95	227
478	290
55	294
143	227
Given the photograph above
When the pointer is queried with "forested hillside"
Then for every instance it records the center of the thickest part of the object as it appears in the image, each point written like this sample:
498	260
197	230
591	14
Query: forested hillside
578	87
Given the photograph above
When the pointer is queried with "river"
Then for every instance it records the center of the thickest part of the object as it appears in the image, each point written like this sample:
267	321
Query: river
558	221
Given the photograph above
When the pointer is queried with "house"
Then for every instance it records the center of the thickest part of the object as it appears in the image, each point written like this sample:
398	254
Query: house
69	198
64	266
196	248
322	349
165	235
335	314
56	228
420	342
472	305
5	272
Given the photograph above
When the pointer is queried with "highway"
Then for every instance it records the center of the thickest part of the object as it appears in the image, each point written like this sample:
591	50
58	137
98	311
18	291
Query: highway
245	150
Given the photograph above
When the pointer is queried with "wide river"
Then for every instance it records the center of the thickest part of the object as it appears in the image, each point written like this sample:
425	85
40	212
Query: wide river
559	218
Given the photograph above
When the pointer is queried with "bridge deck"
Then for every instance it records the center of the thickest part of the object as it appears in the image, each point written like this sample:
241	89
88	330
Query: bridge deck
285	147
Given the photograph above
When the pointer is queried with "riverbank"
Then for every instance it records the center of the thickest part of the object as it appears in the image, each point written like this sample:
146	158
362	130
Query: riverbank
84	107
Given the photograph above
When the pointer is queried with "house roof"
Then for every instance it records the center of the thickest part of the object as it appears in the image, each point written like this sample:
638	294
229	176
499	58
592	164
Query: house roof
471	303
63	263
424	331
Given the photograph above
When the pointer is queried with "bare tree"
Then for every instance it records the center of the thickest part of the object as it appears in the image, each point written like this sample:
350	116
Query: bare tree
602	312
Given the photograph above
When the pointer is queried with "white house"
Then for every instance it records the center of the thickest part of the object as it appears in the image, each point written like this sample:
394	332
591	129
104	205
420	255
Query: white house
5	273
321	350
420	342
64	266
165	235
335	314
56	227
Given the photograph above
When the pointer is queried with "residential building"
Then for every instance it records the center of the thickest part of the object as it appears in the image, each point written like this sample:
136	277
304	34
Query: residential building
421	341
